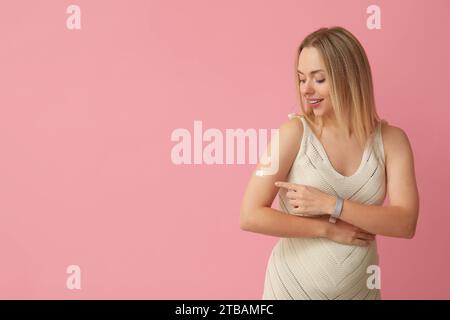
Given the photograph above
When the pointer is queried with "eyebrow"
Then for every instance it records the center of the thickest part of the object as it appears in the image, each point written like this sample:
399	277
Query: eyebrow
312	72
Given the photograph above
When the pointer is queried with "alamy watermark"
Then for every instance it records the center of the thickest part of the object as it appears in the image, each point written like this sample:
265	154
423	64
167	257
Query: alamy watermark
73	281
213	147
374	280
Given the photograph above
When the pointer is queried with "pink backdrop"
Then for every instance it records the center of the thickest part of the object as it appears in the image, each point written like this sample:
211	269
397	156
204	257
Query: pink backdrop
85	134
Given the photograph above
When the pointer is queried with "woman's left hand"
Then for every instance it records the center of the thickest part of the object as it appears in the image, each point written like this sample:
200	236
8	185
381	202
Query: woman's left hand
307	199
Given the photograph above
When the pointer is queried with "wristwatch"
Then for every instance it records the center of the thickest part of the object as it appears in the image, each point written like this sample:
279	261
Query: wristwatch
337	210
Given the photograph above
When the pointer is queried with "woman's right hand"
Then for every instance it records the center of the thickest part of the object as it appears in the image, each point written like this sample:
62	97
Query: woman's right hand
349	234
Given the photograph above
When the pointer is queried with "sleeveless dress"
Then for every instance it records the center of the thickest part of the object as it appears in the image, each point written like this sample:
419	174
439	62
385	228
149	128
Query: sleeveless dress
319	268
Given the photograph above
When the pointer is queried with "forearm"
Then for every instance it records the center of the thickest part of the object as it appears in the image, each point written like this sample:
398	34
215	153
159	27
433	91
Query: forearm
391	221
273	222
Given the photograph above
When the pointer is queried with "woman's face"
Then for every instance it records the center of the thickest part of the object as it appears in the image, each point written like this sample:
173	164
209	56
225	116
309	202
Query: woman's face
314	84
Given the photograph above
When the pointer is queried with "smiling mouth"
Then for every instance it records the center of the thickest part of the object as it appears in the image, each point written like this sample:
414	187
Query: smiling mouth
313	102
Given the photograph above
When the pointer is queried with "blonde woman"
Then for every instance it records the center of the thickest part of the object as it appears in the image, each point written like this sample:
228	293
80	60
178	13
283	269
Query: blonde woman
337	162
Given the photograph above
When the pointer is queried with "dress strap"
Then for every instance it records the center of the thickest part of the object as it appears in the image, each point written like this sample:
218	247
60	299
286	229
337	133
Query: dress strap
379	141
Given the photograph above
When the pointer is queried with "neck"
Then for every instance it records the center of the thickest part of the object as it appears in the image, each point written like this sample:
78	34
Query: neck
330	125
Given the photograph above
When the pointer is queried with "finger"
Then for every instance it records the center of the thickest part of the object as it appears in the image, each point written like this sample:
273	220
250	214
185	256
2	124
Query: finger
362	243
365	232
362	230
285	185
291	195
365	236
356	229
296	210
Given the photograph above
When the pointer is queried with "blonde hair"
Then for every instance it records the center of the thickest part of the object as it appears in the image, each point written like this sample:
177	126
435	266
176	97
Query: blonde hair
350	80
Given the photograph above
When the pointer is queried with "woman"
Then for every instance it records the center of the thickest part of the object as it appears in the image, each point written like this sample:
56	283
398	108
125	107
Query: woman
336	163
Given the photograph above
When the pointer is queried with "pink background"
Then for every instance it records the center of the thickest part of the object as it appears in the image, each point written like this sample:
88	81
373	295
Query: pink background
85	125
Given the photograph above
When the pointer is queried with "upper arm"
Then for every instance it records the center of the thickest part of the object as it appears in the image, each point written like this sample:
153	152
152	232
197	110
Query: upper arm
261	190
401	179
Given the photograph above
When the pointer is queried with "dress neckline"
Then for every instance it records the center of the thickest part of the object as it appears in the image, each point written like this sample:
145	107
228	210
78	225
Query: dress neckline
327	159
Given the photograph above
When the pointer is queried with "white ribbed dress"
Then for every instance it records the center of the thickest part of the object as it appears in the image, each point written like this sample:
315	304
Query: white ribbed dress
319	268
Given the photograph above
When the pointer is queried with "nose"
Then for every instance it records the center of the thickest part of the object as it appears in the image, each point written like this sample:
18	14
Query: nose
308	88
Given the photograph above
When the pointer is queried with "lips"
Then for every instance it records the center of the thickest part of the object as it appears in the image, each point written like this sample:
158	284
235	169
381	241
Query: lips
313	100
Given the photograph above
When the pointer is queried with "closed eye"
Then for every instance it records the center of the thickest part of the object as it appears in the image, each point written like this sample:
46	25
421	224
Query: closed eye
318	81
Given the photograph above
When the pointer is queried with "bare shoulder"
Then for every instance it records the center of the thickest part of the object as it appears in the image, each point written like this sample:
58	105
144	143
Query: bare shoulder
395	141
288	139
261	191
291	134
292	127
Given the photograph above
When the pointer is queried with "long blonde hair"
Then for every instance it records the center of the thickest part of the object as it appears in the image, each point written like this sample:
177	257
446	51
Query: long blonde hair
350	79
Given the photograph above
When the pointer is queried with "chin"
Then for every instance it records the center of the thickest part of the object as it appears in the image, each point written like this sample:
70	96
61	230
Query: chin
317	111
322	111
